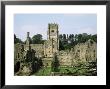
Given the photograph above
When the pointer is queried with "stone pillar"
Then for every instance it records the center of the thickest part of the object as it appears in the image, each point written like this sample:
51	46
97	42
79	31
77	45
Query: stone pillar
28	42
27	34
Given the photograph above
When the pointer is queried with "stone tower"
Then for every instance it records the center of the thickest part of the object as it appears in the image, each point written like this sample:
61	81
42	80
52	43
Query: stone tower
53	34
52	44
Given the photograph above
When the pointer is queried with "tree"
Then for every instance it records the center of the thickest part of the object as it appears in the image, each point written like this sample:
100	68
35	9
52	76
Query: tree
94	38
79	38
73	40
60	36
61	46
17	40
37	39
55	64
72	36
64	37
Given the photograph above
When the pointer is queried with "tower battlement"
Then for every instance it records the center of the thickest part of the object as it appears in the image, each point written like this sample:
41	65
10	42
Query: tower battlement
52	26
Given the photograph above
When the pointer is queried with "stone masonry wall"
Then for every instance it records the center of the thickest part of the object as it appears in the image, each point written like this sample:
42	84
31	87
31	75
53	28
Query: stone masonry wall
81	53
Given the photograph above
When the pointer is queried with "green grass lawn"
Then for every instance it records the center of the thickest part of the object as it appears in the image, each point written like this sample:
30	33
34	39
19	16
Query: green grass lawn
71	71
74	71
43	72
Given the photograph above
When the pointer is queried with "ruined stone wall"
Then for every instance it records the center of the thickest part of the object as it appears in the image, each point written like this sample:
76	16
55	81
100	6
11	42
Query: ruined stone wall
86	51
18	52
83	52
65	58
38	49
48	52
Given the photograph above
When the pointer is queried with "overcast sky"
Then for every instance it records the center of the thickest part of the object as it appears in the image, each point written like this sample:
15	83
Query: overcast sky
68	24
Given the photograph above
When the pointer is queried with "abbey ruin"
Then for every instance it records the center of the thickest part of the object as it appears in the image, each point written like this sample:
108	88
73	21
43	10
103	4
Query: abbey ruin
28	57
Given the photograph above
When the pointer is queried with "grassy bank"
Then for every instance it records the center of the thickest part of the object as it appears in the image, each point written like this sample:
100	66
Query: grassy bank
65	71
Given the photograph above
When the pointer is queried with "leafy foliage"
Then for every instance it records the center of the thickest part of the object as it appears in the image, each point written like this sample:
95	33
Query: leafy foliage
17	40
68	42
55	64
37	39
